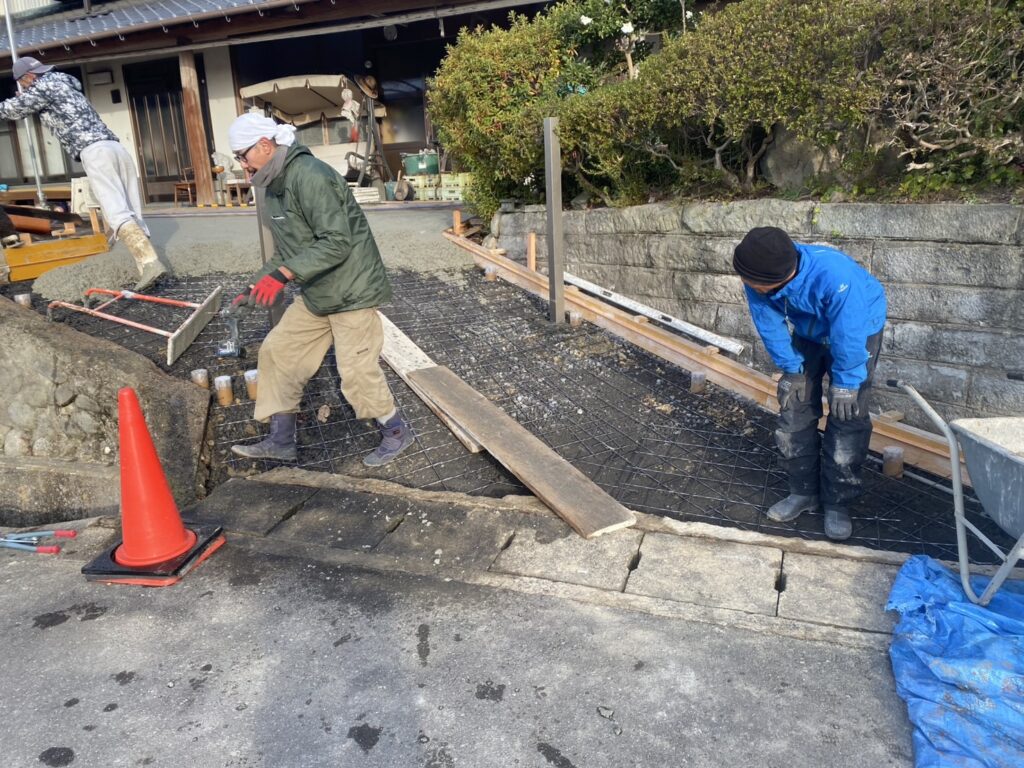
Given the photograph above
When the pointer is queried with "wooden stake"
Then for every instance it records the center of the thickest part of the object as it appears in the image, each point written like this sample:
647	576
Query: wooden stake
531	251
892	461
457	222
698	381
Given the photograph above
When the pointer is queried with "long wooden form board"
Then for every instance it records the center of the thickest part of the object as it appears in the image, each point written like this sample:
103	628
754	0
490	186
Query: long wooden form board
921	449
568	492
403	357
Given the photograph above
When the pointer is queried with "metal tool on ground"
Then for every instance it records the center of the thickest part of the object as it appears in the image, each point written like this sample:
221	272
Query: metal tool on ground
178	340
29	541
994	450
232	347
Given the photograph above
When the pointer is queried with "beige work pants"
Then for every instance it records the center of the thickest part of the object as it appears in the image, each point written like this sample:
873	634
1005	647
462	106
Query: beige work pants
295	348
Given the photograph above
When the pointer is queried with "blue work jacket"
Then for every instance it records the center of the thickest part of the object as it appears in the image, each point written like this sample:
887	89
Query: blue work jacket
831	300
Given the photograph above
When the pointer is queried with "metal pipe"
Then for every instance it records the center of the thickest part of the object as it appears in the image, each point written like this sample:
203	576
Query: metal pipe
40	195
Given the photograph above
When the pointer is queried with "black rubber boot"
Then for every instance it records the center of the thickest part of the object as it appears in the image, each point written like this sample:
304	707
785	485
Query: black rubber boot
791	507
838	525
395	437
279	444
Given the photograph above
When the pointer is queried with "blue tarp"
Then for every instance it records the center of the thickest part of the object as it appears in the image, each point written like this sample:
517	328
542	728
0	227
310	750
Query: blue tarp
959	667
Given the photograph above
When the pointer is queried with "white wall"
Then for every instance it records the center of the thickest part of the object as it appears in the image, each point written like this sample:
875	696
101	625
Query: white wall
116	116
220	86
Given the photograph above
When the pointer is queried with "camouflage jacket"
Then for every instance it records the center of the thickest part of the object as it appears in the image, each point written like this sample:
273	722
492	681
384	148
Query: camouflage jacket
63	108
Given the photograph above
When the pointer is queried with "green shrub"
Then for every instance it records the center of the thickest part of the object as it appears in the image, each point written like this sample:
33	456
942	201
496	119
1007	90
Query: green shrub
937	84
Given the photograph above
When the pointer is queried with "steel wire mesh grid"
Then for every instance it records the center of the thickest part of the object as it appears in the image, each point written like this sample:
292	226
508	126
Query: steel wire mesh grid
623	417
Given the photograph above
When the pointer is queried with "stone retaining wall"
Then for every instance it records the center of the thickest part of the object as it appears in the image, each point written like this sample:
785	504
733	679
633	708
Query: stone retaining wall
954	276
58	420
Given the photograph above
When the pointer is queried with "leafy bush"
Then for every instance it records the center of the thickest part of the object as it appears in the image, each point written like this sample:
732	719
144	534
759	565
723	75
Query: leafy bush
938	83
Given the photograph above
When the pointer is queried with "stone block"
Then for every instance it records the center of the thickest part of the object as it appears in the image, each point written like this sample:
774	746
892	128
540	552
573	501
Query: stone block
842	593
939	382
992	393
450	537
43	490
547	548
638	219
950	344
950	222
692	253
21	415
951	304
249	505
346	519
943	264
719	574
740	216
692	286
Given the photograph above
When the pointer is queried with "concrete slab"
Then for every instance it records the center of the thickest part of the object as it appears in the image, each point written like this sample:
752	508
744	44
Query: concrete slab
715	573
843	593
249	506
547	548
439	532
345	519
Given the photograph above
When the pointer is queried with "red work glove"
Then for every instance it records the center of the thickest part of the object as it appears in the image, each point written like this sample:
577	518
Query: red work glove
268	290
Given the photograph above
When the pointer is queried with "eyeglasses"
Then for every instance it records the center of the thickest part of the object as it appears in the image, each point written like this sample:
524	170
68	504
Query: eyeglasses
240	156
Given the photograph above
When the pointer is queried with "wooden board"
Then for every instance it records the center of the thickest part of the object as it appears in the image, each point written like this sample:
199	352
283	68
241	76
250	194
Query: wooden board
922	449
30	261
568	492
403	357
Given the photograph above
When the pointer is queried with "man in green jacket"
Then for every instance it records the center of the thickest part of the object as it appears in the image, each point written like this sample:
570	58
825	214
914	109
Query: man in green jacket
323	243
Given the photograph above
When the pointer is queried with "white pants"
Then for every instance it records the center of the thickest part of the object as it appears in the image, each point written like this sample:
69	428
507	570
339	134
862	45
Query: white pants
114	183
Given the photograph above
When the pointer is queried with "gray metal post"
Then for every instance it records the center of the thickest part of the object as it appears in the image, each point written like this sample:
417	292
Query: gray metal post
40	195
556	245
266	246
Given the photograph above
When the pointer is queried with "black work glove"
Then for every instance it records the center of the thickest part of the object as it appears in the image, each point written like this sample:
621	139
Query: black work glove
842	403
239	301
791	385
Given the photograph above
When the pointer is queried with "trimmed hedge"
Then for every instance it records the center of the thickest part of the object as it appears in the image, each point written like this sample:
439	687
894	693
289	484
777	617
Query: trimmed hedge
935	88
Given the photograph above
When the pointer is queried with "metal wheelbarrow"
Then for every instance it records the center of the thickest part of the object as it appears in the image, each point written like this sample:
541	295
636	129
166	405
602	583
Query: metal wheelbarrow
994	451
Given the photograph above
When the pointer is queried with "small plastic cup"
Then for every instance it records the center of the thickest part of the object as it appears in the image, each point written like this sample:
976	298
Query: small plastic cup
225	392
25	299
251	382
201	377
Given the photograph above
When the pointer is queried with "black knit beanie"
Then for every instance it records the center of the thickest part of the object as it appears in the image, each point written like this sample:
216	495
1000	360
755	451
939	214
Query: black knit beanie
765	256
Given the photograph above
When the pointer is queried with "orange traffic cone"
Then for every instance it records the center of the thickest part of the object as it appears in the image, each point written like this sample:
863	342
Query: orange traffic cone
156	550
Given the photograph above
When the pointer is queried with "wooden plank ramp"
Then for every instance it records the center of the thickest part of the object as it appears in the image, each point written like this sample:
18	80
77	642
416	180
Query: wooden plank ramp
568	492
403	357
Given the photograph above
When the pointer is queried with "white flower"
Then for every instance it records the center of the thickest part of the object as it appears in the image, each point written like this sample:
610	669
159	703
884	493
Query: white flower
627	28
689	15
586	21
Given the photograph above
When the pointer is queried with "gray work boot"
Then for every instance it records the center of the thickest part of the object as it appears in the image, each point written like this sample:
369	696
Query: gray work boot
791	507
838	525
395	436
279	445
151	272
148	263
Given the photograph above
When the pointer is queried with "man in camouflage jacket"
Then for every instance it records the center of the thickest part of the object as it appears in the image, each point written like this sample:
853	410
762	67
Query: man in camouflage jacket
62	107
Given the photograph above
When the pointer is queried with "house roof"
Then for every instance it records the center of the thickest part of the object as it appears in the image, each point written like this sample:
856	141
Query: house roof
111	19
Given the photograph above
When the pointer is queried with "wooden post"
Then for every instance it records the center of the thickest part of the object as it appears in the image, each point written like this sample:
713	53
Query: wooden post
698	382
195	130
556	246
457	222
892	461
531	251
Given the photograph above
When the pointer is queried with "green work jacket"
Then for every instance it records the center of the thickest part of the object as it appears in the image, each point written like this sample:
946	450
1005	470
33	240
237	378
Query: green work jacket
321	234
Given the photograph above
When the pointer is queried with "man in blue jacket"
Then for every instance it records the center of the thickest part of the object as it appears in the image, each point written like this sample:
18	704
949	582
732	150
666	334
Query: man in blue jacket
818	312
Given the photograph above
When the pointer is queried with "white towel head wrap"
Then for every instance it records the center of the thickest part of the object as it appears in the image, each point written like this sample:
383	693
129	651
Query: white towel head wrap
249	128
